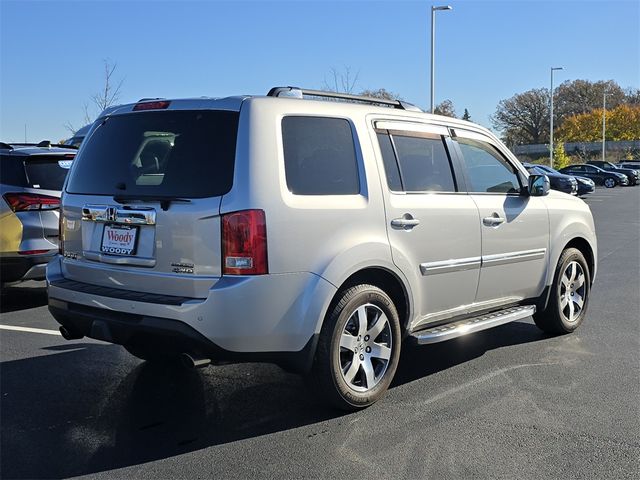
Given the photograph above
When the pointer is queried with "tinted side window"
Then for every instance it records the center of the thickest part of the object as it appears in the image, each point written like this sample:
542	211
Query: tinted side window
424	164
319	156
390	164
12	171
488	170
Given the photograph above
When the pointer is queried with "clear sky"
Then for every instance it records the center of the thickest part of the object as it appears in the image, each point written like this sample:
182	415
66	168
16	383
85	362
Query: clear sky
52	52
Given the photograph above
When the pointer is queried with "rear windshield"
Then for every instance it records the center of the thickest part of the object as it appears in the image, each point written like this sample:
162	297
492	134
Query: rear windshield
47	173
37	171
165	153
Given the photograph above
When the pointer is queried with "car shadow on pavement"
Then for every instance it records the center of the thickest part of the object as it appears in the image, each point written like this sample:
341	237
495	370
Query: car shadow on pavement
22	296
91	407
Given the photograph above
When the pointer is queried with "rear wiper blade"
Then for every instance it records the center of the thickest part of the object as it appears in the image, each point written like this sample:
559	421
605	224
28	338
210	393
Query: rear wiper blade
165	200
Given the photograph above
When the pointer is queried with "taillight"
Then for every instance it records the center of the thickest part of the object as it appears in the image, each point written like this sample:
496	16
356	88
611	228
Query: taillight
244	243
20	202
32	252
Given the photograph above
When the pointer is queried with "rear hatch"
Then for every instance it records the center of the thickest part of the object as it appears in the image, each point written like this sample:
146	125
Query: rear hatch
141	207
31	186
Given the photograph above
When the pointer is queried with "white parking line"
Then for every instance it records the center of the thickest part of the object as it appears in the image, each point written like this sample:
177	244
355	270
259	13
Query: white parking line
29	329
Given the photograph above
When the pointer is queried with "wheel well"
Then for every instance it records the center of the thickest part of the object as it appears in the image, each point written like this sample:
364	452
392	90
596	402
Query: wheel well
389	283
582	245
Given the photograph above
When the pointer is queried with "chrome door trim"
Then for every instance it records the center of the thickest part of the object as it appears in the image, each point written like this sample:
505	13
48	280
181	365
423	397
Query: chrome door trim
108	213
463	264
448	266
513	257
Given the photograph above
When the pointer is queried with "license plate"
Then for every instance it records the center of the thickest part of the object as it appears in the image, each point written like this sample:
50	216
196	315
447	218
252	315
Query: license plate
119	239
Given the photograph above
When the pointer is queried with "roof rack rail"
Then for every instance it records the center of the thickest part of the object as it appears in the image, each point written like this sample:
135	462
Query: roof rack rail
296	92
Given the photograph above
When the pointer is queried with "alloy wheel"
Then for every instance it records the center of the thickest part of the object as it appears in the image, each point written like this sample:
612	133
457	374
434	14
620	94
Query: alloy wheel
365	348
572	291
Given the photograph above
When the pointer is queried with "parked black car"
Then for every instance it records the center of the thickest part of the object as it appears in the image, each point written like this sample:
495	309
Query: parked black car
598	175
632	173
559	181
585	185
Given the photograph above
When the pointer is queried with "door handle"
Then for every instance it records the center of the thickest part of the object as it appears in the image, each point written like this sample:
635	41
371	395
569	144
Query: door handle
406	222
493	221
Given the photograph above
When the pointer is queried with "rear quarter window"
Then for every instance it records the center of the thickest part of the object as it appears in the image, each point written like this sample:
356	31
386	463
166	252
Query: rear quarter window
319	156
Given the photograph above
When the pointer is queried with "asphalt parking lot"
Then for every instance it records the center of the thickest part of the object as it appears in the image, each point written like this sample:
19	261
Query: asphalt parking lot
506	403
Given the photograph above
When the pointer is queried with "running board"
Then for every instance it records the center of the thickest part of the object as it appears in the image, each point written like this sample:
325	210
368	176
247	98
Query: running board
474	324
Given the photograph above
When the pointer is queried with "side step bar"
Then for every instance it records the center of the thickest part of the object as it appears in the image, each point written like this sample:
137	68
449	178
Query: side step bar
474	324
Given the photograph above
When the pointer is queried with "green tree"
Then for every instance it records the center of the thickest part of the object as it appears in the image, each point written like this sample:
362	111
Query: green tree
560	157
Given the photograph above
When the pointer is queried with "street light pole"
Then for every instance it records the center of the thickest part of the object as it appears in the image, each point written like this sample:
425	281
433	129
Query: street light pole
433	50
551	119
604	120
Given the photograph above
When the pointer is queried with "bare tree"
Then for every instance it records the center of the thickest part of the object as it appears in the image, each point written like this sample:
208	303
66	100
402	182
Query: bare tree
108	95
341	82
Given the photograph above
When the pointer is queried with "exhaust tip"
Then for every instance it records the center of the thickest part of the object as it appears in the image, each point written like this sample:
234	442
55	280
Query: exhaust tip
191	362
69	334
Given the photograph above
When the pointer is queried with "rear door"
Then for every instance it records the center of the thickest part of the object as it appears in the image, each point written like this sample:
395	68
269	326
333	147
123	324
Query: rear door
141	207
433	225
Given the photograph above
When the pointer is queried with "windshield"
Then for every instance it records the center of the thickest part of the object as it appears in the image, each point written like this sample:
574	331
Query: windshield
47	172
159	153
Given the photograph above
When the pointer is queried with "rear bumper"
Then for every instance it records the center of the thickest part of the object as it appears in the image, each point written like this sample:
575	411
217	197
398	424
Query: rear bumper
18	268
164	335
262	318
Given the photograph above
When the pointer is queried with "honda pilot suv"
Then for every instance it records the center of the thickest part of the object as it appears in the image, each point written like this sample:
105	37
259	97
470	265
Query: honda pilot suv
323	236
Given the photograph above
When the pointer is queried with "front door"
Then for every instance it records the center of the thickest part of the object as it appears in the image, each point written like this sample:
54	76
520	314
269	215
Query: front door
514	225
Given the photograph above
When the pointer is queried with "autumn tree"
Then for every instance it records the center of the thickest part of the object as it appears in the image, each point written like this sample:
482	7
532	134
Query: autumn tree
524	118
622	123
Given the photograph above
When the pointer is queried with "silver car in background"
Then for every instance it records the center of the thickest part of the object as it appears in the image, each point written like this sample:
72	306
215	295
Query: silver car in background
31	178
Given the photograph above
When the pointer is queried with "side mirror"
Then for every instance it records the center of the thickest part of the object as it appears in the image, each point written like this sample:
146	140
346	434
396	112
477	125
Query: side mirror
539	185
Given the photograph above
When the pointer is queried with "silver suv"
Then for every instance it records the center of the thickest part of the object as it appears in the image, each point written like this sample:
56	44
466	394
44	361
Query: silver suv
31	177
319	235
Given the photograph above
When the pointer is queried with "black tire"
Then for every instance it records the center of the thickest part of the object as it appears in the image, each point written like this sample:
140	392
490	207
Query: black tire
150	355
561	314
335	364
